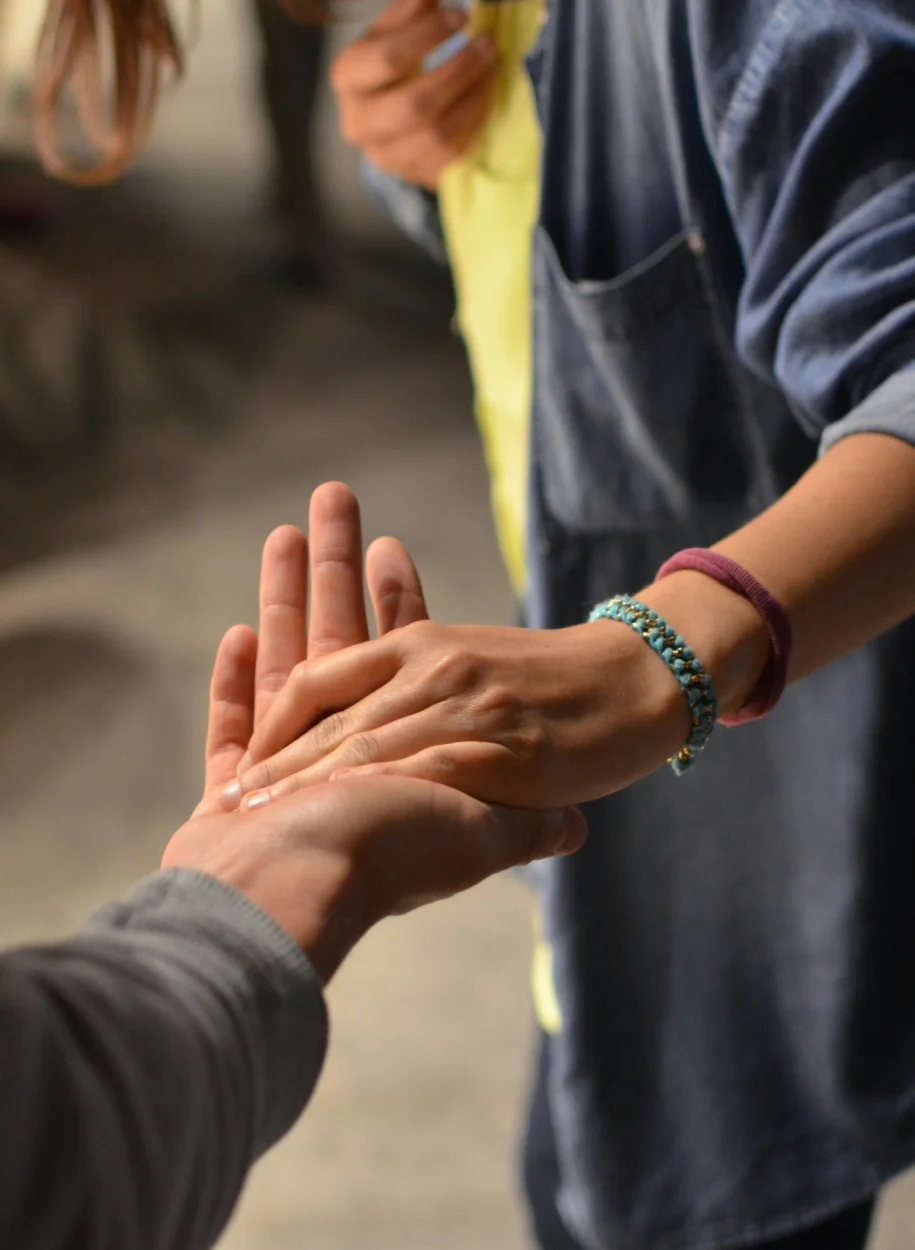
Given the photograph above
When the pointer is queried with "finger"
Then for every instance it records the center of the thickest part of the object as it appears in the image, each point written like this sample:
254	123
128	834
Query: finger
420	158
231	717
423	101
283	600
481	770
338	617
436	841
394	586
398	734
393	701
389	54
512	837
499	838
318	687
488	771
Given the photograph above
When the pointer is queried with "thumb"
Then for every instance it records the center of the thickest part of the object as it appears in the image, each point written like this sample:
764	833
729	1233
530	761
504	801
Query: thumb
513	838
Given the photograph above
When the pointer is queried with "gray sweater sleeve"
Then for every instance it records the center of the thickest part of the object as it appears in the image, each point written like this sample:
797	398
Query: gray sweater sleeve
146	1064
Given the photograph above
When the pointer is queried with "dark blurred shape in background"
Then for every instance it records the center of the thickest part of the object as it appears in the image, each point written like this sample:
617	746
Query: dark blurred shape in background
292	61
138	321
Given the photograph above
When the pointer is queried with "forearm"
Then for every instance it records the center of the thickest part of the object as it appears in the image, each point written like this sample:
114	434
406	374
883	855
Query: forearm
146	1064
546	717
838	551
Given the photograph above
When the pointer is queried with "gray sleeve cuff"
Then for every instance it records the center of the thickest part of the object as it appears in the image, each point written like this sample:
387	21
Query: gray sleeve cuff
890	409
253	959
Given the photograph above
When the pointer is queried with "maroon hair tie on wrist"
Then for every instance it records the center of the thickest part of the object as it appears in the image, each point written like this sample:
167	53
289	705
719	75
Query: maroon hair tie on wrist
729	573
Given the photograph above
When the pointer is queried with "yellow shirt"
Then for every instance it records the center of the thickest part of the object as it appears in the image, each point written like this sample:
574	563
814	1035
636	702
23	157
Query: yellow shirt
488	205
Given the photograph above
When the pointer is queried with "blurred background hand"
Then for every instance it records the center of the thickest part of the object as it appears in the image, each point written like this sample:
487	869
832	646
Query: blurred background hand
411	121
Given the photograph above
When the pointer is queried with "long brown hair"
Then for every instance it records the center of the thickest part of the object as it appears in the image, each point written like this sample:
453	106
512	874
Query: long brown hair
115	54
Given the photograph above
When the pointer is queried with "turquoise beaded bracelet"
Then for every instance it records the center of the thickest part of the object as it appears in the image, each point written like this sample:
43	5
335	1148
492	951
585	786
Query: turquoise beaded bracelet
694	681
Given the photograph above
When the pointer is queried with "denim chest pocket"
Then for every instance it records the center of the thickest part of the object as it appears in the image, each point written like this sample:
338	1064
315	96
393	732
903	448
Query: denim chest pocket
638	418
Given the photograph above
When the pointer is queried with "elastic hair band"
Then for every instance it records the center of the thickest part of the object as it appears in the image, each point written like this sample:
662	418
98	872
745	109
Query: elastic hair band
729	573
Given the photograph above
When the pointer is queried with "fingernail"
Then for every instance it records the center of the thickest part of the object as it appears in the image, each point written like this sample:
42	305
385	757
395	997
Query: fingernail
445	51
230	796
246	762
260	798
485	46
568	829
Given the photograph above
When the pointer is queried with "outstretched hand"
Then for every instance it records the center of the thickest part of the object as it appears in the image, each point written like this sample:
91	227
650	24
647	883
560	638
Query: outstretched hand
330	861
530	718
409	119
325	569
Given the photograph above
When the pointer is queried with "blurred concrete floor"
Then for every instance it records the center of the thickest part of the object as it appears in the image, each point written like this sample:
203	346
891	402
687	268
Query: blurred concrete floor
224	405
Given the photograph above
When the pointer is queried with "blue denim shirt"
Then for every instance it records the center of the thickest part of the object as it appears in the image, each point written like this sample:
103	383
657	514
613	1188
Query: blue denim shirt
724	287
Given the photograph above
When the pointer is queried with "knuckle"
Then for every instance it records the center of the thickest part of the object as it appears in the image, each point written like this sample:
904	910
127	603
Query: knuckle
327	642
260	777
448	665
301	676
421	633
389	58
421	640
300	683
272	681
530	743
420	108
450	670
328	733
336	557
498	703
459	668
362	749
443	766
446	655
462	69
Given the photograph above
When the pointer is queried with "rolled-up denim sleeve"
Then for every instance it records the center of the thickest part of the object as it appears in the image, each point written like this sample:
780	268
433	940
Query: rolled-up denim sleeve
412	209
808	110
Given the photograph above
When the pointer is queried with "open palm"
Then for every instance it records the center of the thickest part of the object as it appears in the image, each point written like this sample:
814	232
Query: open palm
323	571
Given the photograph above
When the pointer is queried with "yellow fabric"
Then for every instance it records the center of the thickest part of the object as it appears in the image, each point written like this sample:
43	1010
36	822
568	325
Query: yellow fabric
543	987
488	204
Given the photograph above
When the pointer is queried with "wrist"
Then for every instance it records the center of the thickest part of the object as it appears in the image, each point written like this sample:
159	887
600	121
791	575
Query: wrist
635	716
723	629
313	901
312	894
